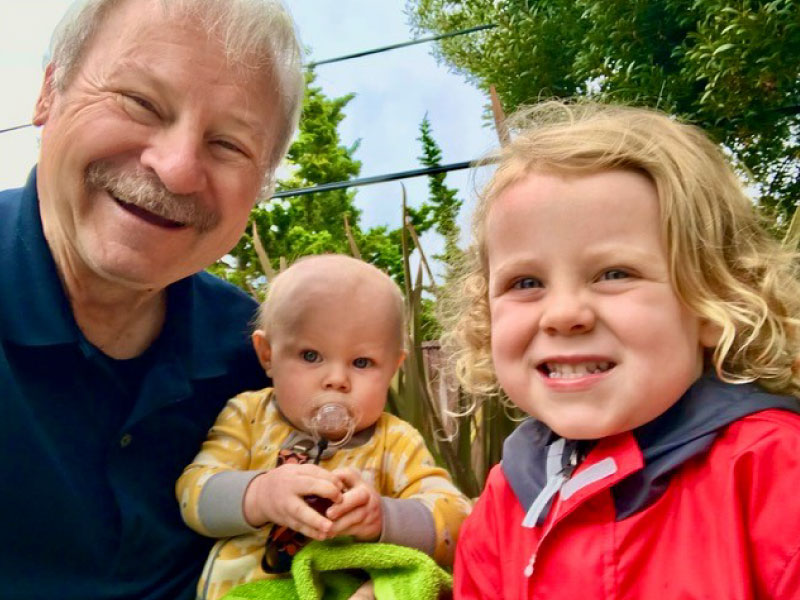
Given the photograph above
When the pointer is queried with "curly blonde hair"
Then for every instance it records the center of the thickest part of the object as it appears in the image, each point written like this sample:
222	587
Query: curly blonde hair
724	265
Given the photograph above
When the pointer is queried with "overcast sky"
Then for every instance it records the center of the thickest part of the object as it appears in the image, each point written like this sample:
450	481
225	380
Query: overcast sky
393	91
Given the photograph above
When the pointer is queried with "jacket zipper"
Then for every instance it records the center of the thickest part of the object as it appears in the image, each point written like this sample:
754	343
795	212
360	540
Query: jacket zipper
564	474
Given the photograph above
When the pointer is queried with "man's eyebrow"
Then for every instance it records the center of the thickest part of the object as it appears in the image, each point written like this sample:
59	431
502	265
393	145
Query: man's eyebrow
135	66
241	119
245	122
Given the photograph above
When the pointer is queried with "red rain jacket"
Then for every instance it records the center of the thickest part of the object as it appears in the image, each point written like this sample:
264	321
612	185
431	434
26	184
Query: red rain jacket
701	503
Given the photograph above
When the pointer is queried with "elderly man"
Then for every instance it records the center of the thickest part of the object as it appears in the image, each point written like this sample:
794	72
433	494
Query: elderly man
163	121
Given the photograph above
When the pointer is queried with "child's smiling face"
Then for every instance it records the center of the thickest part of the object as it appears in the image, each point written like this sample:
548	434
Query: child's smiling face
588	334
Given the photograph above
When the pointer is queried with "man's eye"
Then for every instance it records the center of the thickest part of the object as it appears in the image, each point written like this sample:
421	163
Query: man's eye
226	145
362	363
310	356
142	103
525	283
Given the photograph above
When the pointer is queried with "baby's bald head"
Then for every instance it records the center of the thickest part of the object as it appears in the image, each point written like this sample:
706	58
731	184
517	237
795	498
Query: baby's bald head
316	283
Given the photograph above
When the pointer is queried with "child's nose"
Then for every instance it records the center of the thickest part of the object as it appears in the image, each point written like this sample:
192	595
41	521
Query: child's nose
336	379
567	314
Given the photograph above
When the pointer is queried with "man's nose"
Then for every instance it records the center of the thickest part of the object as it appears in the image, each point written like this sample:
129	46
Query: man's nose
567	312
175	155
336	379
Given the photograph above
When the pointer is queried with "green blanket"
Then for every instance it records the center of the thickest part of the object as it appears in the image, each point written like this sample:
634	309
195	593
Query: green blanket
334	570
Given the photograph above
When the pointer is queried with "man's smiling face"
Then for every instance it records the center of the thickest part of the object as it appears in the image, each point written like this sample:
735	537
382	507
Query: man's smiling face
154	152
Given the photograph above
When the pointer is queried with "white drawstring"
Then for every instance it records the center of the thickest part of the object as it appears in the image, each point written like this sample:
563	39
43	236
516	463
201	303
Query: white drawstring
555	479
559	479
529	569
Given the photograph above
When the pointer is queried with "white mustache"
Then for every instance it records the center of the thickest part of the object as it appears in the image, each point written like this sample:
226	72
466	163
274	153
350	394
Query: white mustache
145	190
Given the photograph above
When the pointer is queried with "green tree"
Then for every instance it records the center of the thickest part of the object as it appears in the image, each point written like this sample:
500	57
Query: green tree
442	207
438	213
729	66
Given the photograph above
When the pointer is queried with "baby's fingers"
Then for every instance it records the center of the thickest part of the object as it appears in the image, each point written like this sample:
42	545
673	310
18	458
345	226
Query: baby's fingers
323	488
308	521
349	477
344	525
351	499
364	522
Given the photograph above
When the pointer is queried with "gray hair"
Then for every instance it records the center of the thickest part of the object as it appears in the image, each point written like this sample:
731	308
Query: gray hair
256	34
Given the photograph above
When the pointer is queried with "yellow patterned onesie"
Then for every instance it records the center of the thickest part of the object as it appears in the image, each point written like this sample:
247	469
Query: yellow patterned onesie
421	506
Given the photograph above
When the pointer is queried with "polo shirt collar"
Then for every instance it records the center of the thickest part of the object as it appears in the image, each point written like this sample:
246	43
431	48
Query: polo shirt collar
35	310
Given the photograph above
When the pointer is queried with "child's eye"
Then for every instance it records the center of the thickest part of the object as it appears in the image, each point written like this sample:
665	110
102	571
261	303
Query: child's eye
612	274
362	362
525	283
311	356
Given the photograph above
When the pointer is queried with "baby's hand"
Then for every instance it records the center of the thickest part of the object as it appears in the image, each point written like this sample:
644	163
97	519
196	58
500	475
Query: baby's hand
277	497
360	513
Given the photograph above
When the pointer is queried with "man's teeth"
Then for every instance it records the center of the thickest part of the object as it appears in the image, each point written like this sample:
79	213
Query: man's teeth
574	370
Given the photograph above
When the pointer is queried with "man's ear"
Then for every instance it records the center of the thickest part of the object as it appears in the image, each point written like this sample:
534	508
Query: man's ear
263	350
46	97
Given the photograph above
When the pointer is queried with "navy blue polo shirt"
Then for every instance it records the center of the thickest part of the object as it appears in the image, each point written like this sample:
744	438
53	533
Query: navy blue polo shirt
88	459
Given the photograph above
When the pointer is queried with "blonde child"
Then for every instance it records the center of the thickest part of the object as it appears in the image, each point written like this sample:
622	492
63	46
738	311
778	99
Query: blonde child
330	335
622	293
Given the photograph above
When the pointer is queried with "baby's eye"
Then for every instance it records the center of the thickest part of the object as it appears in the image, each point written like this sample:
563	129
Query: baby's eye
311	356
362	362
611	274
525	283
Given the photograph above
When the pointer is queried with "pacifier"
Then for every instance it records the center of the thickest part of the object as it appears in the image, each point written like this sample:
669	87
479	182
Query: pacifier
333	422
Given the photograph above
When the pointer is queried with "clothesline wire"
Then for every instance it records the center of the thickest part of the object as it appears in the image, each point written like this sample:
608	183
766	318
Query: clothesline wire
338	185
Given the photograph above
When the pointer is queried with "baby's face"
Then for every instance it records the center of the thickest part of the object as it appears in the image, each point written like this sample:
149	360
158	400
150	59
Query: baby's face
345	353
588	334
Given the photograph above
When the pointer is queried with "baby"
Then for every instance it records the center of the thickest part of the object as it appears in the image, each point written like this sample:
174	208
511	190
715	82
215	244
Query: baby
330	335
622	293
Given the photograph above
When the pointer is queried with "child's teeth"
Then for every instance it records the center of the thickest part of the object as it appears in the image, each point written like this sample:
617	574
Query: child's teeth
574	370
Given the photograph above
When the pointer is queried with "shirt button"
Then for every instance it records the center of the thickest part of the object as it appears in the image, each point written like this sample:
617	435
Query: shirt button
125	440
